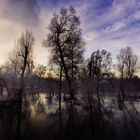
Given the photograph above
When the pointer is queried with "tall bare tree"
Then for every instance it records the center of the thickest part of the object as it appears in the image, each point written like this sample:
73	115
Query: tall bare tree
127	65
99	66
66	43
127	62
21	59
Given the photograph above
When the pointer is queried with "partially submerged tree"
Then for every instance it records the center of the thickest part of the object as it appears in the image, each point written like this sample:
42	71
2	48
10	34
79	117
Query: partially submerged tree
66	44
127	65
99	66
21	59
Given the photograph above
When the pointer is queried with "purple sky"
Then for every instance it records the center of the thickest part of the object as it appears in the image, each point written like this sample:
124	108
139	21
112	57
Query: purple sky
105	24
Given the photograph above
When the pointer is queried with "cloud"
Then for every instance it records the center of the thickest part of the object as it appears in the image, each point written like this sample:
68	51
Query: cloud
108	24
15	17
115	27
137	15
20	11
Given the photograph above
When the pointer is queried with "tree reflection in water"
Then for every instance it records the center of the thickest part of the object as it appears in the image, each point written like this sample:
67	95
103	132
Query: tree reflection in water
40	120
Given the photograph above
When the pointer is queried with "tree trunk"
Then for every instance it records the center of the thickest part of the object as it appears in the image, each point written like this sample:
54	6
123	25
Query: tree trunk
21	91
60	90
66	72
98	96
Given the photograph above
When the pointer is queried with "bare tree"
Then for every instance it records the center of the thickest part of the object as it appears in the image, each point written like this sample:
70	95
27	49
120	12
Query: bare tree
127	65
99	66
67	47
21	59
127	62
66	44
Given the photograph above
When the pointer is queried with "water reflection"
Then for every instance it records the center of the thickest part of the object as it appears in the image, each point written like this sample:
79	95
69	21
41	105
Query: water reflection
40	107
40	119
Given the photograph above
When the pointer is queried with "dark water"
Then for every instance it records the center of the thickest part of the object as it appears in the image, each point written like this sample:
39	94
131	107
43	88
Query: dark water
41	120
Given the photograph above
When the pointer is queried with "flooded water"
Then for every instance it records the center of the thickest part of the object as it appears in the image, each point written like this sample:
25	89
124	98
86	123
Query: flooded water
41	120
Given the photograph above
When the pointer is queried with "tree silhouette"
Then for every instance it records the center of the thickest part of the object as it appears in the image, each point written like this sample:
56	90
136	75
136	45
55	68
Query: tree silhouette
99	66
21	59
127	66
127	62
66	43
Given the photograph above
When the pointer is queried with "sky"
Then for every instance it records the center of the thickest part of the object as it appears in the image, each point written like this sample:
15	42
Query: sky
105	24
